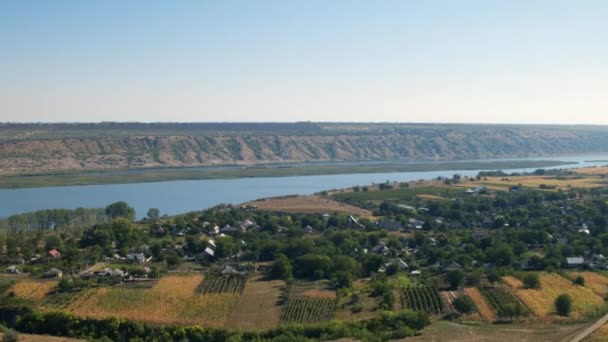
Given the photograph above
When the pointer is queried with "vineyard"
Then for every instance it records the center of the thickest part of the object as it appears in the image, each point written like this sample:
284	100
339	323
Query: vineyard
499	298
422	298
305	310
218	283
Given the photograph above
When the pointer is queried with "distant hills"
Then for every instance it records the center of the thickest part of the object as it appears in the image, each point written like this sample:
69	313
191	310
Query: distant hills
33	148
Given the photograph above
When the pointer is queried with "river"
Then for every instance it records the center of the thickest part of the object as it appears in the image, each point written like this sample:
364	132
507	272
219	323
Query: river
174	197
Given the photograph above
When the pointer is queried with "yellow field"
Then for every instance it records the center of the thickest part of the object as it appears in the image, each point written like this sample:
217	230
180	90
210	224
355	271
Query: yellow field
33	289
258	307
600	335
592	170
173	300
541	301
596	282
315	293
482	307
503	183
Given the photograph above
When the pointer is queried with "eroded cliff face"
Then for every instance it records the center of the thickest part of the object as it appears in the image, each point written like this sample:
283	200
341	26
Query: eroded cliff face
88	153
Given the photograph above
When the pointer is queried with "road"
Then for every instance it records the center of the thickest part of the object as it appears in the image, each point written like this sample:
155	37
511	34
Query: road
591	329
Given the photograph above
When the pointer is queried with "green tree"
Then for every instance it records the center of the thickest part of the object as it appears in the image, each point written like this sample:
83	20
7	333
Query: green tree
153	213
455	278
281	268
120	209
563	305
579	281
464	304
531	281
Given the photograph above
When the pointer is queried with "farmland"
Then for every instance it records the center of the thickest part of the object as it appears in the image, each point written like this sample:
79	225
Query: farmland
422	298
596	282
258	307
541	301
33	289
173	300
499	299
217	283
308	305
307	204
483	308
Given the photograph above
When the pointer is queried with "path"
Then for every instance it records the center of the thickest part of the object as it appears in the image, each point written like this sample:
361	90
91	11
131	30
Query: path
591	329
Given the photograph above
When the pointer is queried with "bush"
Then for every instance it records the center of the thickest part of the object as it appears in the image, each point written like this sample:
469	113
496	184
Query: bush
464	304
563	305
579	281
10	336
531	281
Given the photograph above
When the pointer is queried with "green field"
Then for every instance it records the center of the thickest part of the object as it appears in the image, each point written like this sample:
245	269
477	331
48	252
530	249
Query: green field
284	170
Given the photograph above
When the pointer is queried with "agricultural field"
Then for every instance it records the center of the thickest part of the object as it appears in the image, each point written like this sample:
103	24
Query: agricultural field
217	283
174	299
541	301
422	298
307	204
33	289
258	307
595	281
534	182
600	335
305	306
485	311
499	298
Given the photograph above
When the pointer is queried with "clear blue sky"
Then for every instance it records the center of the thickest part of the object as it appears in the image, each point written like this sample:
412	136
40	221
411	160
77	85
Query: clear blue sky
409	61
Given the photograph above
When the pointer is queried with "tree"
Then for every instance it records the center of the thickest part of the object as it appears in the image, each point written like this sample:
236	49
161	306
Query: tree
153	213
563	305
455	278
464	304
342	279
120	209
493	277
531	281
579	281
281	268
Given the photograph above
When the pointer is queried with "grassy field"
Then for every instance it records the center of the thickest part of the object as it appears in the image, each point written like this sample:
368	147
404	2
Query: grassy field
308	204
399	194
33	289
258	307
600	335
303	169
596	282
521	332
534	182
173	300
540	301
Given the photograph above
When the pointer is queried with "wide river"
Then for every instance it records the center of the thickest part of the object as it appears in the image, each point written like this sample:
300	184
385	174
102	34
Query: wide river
174	197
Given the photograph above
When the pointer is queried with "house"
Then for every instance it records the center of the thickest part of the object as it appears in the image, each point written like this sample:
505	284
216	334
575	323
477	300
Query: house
53	273
209	252
53	253
575	262
391	226
246	224
477	190
12	269
415	273
309	230
402	265
413	223
452	266
229	229
138	257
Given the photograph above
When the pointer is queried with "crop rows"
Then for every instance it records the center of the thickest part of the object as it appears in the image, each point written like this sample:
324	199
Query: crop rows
303	310
216	283
422	298
498	298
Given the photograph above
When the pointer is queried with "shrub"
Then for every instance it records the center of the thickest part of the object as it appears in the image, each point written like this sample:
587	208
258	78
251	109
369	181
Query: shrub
464	304
531	281
579	281
563	305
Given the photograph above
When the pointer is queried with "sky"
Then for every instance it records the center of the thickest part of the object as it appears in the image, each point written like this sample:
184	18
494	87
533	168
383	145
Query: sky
481	61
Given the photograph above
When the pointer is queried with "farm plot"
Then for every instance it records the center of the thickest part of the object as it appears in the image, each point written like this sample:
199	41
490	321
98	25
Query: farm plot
217	283
541	301
33	289
596	282
422	298
499	299
173	300
485	311
311	306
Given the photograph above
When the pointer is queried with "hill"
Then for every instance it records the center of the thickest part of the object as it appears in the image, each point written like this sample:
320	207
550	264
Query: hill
62	147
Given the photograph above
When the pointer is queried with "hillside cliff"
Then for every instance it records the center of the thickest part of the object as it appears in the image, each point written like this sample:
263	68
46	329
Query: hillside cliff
28	150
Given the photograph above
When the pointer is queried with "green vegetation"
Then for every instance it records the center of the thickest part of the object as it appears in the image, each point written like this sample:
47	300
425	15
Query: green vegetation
422	298
502	301
218	283
563	305
197	173
305	310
